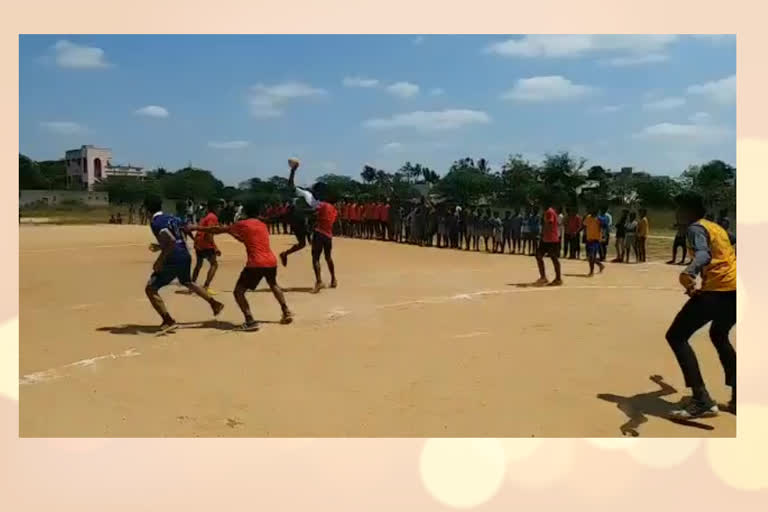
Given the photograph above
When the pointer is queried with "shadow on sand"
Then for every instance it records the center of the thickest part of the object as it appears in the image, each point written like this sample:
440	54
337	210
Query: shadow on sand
219	325
639	407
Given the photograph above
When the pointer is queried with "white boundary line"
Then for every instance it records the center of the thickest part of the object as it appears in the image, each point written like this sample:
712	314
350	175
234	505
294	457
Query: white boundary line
56	373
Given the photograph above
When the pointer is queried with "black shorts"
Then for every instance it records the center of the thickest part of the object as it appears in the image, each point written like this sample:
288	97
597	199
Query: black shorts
169	272
550	249
250	277
205	254
300	232
321	244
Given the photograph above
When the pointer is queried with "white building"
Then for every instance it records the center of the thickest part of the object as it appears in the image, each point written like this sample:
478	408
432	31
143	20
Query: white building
89	165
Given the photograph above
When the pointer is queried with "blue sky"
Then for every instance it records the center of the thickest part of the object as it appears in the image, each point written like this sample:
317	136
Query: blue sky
241	105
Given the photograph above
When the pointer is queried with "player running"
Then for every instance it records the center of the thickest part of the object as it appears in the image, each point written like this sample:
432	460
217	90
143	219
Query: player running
261	263
325	216
205	246
173	262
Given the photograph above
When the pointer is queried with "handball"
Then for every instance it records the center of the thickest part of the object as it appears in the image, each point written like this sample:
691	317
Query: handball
293	162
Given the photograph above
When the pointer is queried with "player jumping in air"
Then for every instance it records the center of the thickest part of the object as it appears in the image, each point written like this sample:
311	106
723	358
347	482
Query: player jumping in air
261	263
205	246
714	258
173	262
325	216
297	216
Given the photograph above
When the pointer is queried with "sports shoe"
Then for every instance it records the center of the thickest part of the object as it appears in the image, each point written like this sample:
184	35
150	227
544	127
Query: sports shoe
167	326
334	284
556	282
287	318
318	287
216	306
251	326
696	409
211	291
541	282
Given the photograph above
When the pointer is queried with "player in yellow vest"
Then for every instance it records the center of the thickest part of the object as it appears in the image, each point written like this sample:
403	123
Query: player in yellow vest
714	259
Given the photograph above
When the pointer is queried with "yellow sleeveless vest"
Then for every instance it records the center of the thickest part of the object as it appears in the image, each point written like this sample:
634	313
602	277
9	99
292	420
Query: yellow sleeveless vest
720	274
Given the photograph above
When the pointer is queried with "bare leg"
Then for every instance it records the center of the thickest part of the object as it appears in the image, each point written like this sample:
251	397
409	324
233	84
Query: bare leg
331	266
242	302
158	304
198	267
280	297
214	266
216	306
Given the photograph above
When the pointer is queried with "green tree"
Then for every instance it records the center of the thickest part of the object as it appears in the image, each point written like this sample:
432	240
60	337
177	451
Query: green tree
191	182
519	182
30	177
466	184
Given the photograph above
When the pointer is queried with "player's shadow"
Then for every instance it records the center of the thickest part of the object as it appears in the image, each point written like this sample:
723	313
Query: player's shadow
639	407
134	329
577	275
289	289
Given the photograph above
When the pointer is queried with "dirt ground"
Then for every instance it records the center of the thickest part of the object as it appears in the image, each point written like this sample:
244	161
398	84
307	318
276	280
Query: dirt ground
415	342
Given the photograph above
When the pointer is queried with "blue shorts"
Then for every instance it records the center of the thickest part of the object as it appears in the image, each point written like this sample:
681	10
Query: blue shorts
593	247
169	272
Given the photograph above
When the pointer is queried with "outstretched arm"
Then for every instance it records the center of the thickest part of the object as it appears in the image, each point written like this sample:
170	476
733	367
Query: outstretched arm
666	389
214	230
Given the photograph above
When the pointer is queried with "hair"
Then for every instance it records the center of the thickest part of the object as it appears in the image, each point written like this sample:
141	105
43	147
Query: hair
691	202
642	211
321	191
153	204
213	204
252	208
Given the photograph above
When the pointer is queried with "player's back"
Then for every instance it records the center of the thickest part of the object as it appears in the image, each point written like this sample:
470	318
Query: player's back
171	225
255	236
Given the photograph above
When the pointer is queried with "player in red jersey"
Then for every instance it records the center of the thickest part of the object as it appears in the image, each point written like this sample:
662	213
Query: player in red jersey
325	216
261	262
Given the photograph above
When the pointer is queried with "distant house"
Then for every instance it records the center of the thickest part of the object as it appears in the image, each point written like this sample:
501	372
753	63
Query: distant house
89	165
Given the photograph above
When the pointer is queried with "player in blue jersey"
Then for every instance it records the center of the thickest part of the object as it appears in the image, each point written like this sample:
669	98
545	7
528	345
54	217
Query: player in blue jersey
174	262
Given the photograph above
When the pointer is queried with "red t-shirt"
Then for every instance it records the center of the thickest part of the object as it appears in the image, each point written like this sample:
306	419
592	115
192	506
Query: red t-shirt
344	212
369	212
326	216
574	224
359	212
385	213
550	231
254	235
205	240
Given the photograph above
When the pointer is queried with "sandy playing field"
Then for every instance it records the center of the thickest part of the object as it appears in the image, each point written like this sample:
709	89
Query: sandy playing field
414	342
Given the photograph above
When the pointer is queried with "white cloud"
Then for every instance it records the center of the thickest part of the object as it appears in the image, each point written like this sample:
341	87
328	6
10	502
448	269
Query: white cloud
230	144
73	56
403	89
268	101
635	60
665	103
700	117
357	81
152	111
609	109
62	127
391	147
450	119
720	91
546	88
692	132
418	40
437	91
580	45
